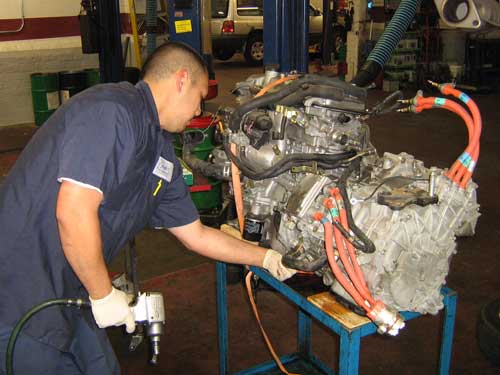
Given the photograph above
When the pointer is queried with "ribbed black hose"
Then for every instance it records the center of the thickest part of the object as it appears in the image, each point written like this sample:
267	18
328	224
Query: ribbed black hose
9	355
368	247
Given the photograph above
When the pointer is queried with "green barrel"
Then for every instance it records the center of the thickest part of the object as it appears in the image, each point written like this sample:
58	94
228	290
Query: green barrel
92	77
71	83
207	197
45	95
202	130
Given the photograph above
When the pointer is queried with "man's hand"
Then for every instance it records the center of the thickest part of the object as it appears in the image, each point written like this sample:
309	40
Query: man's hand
272	263
113	310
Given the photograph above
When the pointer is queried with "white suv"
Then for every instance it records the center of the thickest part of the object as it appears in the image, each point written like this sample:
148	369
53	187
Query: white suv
237	26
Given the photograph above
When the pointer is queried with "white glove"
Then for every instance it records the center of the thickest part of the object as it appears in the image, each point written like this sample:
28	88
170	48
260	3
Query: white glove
113	310
272	263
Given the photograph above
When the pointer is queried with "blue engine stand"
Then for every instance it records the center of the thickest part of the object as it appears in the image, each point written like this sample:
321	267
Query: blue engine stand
349	338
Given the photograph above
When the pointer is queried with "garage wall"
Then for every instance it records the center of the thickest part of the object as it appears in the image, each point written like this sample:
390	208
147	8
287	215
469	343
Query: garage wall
49	42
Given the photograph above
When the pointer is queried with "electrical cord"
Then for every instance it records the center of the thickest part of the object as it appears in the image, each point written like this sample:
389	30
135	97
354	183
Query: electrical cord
381	107
9	355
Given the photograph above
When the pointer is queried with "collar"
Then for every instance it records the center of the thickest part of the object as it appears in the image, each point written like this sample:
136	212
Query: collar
145	91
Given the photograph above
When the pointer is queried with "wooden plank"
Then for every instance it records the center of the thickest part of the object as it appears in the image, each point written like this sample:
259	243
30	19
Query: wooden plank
327	302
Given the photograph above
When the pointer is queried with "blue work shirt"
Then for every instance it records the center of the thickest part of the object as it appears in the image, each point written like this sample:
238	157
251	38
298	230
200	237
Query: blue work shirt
106	138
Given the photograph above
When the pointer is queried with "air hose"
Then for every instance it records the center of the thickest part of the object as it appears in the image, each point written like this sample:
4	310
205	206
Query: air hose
9	355
382	51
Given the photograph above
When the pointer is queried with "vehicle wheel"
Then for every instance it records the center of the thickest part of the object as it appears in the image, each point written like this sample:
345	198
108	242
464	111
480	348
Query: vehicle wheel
254	50
488	331
223	54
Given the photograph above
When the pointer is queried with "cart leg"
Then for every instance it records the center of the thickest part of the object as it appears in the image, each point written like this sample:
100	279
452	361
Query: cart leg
450	307
222	316
349	352
304	334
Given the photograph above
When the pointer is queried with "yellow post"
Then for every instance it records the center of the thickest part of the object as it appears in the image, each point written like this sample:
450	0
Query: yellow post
133	21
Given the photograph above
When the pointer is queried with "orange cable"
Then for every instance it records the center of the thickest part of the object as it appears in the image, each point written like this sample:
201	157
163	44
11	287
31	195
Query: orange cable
269	86
356	270
238	194
264	334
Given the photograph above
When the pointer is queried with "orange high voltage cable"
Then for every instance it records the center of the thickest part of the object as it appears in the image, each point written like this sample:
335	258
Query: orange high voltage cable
461	165
470	160
335	193
337	272
345	257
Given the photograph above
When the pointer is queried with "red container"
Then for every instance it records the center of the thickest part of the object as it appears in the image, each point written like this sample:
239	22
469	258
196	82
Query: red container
212	89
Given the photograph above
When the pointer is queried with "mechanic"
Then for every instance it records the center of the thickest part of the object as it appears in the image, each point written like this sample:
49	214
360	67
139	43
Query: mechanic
100	170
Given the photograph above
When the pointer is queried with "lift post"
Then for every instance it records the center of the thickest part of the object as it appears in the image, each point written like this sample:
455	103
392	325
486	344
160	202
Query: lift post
286	35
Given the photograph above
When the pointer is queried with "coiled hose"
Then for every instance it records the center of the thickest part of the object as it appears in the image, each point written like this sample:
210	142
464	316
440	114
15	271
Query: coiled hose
9	355
385	46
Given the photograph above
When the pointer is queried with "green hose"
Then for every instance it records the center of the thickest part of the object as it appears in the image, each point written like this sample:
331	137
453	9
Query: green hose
9	355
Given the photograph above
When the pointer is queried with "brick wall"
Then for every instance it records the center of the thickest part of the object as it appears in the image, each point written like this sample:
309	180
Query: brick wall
15	85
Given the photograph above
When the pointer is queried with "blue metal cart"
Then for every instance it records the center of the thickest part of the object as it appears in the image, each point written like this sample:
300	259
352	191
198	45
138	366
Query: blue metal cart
349	337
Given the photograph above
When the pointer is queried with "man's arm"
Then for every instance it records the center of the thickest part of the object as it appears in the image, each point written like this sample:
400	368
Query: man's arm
218	245
77	217
80	233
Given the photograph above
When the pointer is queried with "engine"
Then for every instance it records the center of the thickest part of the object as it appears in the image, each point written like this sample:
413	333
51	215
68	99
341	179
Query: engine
305	153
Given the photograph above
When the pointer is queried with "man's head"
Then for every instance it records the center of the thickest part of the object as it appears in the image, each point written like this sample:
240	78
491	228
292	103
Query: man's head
178	79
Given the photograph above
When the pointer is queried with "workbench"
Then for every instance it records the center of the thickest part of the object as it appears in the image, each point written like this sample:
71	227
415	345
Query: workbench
349	326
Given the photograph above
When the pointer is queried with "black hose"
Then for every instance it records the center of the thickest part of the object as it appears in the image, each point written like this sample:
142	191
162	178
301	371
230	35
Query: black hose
325	161
334	88
9	355
315	265
348	237
368	247
201	166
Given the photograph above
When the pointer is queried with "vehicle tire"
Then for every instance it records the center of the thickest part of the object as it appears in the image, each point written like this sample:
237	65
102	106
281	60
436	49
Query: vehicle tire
488	331
254	49
223	54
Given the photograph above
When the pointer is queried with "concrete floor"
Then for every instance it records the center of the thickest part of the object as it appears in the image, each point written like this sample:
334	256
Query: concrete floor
437	138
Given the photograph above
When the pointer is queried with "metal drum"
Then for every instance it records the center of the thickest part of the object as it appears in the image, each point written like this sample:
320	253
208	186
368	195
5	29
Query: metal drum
71	83
45	95
201	130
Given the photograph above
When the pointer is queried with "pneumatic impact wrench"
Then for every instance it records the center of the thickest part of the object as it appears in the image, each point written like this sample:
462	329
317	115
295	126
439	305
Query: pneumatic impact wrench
148	308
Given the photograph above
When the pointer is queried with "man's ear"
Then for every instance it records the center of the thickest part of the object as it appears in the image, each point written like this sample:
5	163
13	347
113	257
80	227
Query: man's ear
181	78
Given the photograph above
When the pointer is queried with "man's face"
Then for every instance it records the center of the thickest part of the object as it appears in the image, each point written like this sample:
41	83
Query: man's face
188	104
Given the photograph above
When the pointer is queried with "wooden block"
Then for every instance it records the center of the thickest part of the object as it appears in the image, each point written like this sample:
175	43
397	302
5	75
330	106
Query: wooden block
231	231
327	302
234	233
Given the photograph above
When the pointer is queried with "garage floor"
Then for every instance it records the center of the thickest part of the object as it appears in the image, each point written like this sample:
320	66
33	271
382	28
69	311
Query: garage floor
188	281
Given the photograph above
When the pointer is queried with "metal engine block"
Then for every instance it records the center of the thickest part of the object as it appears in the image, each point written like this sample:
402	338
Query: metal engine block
411	213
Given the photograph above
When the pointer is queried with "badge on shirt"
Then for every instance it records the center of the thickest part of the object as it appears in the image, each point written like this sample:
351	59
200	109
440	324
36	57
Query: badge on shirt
164	169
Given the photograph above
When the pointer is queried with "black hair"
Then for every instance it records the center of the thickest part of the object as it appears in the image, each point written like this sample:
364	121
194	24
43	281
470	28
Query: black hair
171	57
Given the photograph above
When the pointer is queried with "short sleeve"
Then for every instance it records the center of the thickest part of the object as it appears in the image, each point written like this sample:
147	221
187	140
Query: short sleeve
97	146
176	207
